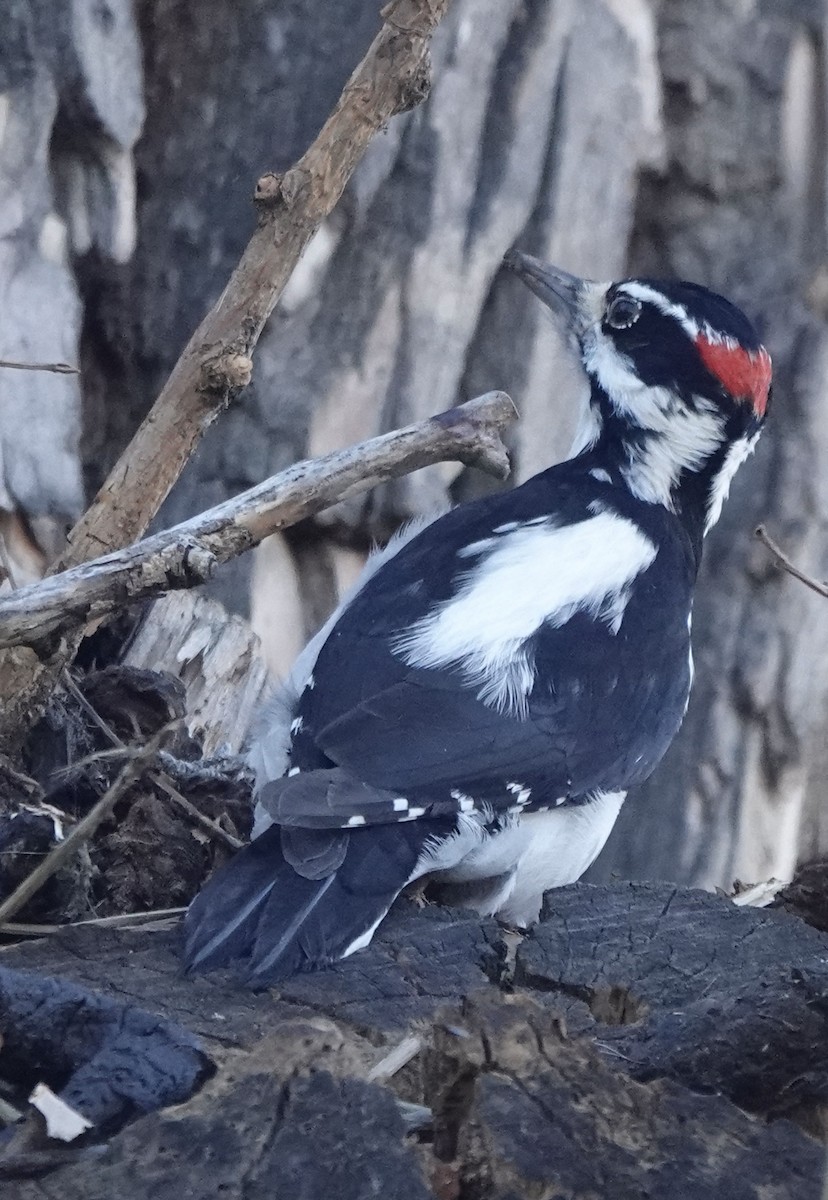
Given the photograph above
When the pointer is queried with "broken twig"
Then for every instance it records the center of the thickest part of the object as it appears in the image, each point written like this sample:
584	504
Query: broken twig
56	368
395	1059
782	559
151	919
159	778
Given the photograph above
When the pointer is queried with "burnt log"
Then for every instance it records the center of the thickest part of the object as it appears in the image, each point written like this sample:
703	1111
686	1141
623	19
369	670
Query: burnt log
641	1041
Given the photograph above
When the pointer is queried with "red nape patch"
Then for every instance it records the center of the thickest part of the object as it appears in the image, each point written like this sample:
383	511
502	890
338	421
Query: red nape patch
744	374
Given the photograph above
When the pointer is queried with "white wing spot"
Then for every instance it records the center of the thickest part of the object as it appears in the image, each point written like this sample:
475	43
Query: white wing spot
465	803
296	725
294	771
520	791
355	820
400	804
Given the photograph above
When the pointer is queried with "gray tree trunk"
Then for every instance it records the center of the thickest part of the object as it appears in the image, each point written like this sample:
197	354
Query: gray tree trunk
686	137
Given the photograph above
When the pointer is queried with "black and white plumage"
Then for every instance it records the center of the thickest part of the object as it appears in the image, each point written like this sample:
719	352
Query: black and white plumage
479	707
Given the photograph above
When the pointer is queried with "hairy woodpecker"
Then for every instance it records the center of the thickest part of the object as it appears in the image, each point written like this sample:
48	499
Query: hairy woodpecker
478	708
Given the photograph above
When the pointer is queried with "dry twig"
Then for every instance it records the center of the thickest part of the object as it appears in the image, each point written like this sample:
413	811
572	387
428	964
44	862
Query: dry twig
159	778
188	553
126	777
209	826
395	1059
56	368
157	918
786	564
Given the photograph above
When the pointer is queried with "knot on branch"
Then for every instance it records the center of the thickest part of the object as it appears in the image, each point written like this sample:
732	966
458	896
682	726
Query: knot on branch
199	563
414	87
227	372
268	189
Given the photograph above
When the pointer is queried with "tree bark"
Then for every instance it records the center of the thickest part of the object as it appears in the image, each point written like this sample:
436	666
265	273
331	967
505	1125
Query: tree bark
741	207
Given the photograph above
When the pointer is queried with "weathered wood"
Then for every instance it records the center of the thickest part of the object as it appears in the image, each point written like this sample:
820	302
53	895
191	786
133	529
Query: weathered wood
188	554
570	1075
215	655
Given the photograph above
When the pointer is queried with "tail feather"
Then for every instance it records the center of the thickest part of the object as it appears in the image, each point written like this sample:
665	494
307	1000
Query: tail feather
221	922
279	917
328	924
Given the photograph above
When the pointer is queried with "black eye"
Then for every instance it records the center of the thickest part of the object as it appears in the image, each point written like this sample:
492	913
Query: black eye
623	312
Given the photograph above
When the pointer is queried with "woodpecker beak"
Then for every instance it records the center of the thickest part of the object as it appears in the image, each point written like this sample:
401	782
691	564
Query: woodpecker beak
563	293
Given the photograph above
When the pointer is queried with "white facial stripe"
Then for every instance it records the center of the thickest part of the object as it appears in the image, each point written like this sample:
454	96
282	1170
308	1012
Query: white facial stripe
640	291
648	295
736	455
604	362
683	437
536	575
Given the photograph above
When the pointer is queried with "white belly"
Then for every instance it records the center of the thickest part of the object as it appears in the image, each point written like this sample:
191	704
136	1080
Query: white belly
541	850
562	844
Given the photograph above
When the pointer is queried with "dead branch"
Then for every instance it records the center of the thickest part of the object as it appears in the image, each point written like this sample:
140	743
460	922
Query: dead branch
188	553
215	364
154	919
786	564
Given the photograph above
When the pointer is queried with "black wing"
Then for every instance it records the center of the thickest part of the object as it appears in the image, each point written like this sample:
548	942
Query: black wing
603	709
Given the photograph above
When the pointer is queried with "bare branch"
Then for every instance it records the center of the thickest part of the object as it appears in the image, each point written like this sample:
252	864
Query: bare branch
188	553
57	368
786	564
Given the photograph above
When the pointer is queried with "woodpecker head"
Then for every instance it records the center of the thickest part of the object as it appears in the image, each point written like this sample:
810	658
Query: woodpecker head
680	381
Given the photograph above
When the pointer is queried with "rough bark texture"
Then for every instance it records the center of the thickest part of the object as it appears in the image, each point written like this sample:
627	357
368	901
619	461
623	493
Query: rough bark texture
742	207
607	136
562	1076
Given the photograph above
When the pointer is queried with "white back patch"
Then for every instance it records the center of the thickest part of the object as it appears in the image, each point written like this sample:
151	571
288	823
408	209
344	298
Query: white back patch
534	576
